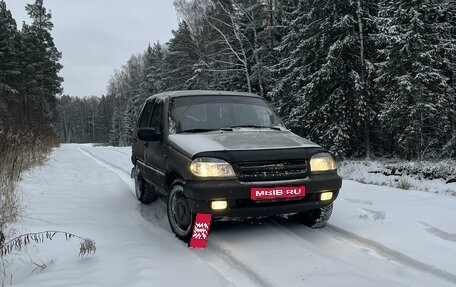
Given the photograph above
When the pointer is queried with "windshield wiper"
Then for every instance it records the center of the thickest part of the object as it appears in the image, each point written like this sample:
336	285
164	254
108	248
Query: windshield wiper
256	126
205	130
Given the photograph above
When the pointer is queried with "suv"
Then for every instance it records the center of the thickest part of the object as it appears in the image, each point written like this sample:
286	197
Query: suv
228	154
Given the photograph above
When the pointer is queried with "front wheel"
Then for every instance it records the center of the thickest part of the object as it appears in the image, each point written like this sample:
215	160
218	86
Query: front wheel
180	215
144	192
315	218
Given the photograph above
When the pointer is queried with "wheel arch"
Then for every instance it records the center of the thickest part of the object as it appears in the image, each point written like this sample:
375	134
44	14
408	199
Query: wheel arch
172	177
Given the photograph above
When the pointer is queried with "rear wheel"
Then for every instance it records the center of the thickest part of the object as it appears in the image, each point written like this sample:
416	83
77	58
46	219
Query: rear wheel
315	218
144	192
180	215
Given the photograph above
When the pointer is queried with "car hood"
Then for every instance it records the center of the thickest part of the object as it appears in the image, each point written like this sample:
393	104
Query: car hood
192	144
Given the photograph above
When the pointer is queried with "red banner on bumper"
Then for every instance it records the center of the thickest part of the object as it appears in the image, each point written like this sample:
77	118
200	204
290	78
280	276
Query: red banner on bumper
277	192
200	230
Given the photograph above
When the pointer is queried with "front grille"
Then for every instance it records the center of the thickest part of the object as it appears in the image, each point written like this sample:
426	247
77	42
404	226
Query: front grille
269	171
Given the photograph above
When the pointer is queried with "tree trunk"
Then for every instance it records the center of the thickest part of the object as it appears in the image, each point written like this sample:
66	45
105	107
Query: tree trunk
43	113
93	127
247	75
26	118
271	24
256	45
363	78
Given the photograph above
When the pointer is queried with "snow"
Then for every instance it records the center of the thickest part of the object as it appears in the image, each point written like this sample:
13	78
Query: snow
377	236
411	174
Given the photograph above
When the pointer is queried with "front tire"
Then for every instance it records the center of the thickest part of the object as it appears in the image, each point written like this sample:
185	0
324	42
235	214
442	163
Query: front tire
180	216
315	218
144	192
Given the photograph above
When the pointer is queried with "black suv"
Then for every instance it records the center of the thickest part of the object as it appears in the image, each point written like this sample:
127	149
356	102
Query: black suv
228	154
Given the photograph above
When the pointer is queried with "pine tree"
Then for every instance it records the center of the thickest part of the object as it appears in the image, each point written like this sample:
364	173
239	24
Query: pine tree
9	70
290	23
253	19
416	112
153	73
322	77
180	60
43	64
103	119
8	52
131	96
449	67
130	118
116	133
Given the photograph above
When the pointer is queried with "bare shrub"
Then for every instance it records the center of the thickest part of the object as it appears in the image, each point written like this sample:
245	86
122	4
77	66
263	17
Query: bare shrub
87	246
18	152
404	183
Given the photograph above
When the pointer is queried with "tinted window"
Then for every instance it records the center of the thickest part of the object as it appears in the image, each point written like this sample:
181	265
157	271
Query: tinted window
156	119
216	112
145	117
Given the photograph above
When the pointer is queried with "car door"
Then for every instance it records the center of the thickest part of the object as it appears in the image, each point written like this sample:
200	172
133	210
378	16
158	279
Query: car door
137	144
154	154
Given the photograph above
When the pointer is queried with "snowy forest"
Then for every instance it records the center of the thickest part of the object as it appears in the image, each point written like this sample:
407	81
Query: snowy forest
29	85
29	80
364	78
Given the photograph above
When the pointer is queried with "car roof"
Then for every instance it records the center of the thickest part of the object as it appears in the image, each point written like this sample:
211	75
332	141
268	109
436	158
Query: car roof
187	93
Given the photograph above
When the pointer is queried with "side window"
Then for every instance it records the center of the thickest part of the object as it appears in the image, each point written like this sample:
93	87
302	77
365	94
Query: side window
145	117
156	119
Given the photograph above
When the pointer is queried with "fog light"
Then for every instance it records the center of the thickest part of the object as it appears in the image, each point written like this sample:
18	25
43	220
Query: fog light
326	196
217	205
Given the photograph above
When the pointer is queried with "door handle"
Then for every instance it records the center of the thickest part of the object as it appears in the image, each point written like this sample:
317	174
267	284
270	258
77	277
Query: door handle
146	144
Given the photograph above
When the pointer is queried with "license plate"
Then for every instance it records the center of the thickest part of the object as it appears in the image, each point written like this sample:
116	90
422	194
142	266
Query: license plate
277	192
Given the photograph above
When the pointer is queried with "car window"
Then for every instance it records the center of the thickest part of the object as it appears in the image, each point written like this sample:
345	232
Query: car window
216	112
145	117
156	119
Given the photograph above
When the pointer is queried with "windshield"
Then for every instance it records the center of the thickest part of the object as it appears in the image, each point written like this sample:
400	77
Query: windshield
205	113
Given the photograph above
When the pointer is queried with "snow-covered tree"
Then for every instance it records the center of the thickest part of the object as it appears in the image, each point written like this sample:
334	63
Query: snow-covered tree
323	72
448	38
180	60
117	134
39	41
153	72
417	111
9	37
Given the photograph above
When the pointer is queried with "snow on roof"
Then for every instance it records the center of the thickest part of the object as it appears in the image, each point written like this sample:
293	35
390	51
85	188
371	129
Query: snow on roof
184	93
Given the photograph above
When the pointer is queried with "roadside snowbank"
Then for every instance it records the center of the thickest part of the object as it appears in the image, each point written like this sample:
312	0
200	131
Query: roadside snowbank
436	177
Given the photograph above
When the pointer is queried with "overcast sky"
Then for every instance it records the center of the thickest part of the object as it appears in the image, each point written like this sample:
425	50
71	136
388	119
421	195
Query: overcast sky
98	36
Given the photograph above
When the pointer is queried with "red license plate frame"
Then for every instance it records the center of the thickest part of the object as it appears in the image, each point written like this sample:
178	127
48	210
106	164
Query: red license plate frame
278	192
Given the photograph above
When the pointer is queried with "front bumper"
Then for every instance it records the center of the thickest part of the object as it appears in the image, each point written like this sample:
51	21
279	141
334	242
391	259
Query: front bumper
200	194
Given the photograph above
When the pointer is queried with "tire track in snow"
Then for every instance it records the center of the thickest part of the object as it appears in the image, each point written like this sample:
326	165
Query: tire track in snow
221	256
390	253
118	151
120	172
120	168
439	232
219	259
236	268
376	249
371	247
149	226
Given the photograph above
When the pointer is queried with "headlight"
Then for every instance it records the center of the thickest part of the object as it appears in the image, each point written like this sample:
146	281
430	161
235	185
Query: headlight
322	162
211	167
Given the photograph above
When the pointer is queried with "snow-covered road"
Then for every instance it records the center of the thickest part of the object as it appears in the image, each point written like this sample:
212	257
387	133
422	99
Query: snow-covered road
377	236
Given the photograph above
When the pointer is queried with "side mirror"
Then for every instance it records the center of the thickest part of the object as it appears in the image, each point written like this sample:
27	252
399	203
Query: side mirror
149	135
